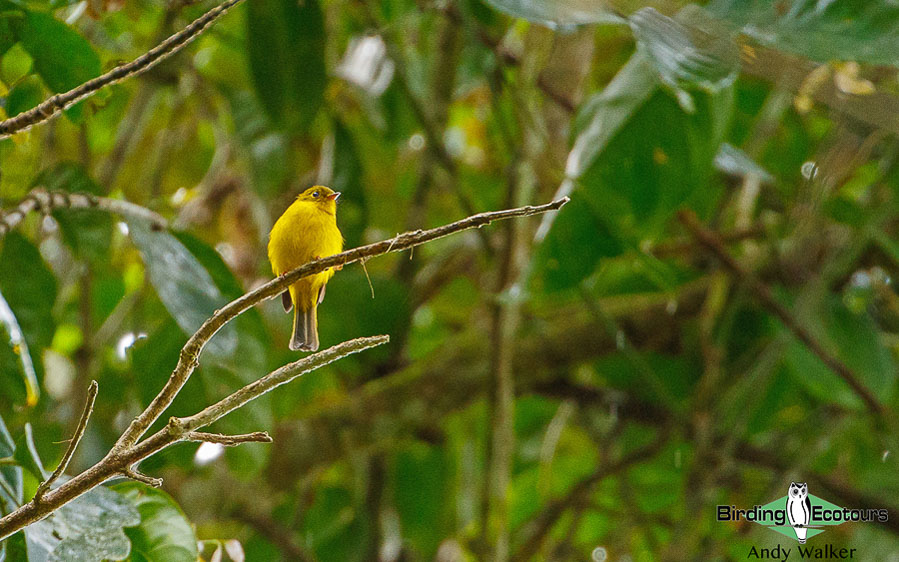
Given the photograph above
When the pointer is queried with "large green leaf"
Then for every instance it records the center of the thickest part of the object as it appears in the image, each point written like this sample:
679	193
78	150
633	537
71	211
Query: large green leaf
90	528
18	347
62	57
629	173
844	30
30	298
557	13
164	533
87	231
266	149
26	94
286	50
11	487
183	285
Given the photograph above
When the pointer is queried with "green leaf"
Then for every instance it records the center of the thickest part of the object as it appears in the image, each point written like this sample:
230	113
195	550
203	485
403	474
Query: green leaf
182	284
26	94
62	57
387	313
353	215
30	298
87	529
87	231
11	487
422	495
822	31
266	149
689	51
578	240
557	13
854	338
332	526
605	113
27	456
164	533
286	50
630	173
9	18
19	348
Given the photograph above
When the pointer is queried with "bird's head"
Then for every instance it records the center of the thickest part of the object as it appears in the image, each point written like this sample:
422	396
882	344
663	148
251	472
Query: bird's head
323	196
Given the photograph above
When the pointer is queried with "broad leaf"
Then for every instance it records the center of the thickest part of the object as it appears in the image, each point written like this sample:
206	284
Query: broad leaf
90	528
87	231
183	285
823	31
62	57
10	330
26	94
422	487
27	456
30	298
286	49
164	533
11	475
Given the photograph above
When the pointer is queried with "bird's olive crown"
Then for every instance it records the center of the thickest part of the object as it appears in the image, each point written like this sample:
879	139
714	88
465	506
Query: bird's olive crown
316	193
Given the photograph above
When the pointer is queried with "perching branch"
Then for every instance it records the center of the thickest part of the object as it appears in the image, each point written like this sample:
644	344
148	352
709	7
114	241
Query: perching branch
228	440
54	105
47	201
763	293
123	462
73	444
128	452
190	353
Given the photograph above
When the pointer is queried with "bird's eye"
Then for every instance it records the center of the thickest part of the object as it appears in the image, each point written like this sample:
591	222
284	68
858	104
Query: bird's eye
315	193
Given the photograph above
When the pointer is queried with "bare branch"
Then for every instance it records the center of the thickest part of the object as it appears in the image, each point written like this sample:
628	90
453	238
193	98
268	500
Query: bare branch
73	443
228	440
190	353
763	293
123	462
54	105
47	201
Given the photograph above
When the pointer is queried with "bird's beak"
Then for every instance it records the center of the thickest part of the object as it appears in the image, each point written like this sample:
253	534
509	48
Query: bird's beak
334	196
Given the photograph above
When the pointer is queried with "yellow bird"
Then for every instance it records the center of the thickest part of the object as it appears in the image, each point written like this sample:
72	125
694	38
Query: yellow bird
306	231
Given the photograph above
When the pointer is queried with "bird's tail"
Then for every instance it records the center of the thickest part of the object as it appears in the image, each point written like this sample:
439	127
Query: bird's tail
305	329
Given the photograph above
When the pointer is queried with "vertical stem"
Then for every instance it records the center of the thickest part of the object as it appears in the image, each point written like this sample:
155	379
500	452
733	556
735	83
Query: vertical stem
505	316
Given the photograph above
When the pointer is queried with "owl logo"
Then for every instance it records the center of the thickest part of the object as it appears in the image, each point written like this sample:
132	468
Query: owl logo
799	509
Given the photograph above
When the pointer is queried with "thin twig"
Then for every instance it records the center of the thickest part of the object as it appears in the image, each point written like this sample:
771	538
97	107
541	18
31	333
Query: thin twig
228	440
73	444
765	296
141	477
54	105
190	353
39	199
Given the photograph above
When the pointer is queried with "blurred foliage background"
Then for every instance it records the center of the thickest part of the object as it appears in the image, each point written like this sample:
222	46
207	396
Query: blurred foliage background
589	384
